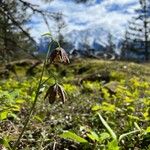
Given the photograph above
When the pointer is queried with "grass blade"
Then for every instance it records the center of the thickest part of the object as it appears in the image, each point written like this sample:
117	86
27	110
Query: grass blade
112	133
126	134
73	136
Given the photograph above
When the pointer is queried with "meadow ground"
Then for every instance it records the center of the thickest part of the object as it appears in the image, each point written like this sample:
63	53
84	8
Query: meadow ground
107	107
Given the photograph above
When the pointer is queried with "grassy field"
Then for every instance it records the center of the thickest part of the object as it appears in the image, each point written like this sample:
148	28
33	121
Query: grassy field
107	107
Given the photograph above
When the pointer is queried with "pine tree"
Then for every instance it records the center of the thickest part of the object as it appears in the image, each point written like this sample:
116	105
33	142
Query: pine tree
60	26
126	47
12	39
138	33
14	34
110	47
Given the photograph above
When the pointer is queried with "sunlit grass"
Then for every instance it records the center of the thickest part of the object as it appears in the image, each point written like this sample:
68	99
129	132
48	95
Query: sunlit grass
119	91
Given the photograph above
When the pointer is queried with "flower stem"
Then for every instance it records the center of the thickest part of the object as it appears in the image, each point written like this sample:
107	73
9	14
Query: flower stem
34	103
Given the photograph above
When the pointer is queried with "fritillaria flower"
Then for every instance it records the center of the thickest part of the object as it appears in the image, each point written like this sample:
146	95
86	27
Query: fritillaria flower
55	92
59	55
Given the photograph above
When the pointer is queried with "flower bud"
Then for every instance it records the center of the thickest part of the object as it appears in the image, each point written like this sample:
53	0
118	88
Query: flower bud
55	91
61	93
59	55
51	94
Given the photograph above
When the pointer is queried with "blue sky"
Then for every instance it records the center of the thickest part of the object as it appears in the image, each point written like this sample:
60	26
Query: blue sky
112	15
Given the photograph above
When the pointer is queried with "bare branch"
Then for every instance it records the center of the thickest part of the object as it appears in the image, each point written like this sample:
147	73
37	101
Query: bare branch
41	12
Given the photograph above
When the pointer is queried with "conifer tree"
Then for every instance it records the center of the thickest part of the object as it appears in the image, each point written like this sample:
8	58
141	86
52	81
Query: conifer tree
110	47
14	34
138	33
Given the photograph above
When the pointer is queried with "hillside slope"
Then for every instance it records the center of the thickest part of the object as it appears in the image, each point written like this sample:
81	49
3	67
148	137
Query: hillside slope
119	91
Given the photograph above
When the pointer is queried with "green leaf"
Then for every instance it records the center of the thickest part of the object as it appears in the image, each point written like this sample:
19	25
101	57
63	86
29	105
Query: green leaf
126	134
104	136
4	93
137	126
133	117
73	136
112	133
93	136
113	145
108	107
20	101
38	118
46	34
148	129
14	116
5	142
105	107
3	115
96	107
15	108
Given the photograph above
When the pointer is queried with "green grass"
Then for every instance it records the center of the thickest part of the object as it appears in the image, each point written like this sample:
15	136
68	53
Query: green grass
119	91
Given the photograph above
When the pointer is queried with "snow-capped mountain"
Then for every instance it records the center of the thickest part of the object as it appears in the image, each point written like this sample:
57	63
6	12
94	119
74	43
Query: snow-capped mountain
95	38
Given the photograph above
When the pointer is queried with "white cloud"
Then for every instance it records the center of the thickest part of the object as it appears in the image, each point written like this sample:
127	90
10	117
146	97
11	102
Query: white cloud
82	17
119	2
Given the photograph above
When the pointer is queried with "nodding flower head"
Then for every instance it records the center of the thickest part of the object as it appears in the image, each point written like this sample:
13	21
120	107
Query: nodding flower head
59	55
55	92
